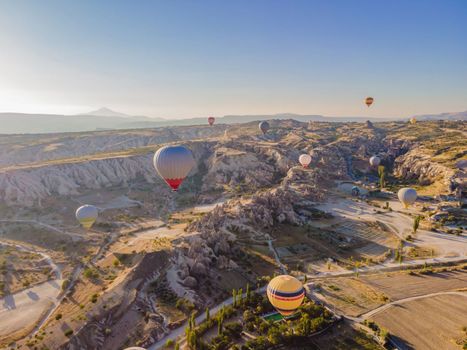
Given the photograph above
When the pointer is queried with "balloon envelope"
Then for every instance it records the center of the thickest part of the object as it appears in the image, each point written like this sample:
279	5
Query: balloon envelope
286	294
135	348
407	196
173	163
264	127
305	160
211	120
375	161
87	215
412	120
369	101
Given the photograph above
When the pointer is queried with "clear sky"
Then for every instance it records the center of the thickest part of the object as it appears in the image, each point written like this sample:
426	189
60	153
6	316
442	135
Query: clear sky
174	59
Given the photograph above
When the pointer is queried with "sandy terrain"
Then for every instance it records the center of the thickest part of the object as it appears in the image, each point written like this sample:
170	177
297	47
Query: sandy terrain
431	323
20	312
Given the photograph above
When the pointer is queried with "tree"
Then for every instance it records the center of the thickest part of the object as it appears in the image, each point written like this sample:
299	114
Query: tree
240	295
382	176
248	293
416	223
220	321
207	315
234	297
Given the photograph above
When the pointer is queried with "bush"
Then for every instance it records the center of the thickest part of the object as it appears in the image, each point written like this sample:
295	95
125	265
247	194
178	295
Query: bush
58	317
68	332
90	273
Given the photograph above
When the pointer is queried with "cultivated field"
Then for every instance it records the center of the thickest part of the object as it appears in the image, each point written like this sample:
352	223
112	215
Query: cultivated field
431	323
399	285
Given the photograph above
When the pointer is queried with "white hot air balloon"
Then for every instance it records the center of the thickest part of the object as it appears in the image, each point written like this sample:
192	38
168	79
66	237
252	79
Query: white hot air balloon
305	160
407	196
135	348
173	163
87	215
375	161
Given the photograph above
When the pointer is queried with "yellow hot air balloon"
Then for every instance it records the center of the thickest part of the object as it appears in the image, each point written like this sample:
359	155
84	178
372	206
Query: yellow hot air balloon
369	101
412	120
87	215
286	294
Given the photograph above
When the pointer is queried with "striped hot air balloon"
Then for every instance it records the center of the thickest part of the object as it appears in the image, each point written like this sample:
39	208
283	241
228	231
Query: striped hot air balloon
369	101
211	120
413	120
286	294
87	215
407	196
264	127
173	163
305	160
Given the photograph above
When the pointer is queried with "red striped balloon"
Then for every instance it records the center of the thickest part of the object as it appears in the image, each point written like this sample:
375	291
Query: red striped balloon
211	120
173	163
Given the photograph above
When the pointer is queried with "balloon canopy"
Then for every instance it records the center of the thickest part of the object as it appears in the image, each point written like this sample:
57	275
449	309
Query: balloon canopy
407	196
286	294
305	160
173	163
87	215
264	127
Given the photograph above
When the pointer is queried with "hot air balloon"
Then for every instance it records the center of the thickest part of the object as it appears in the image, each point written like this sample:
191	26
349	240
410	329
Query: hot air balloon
375	161
134	348
286	294
264	127
173	163
211	120
412	120
87	215
305	160
369	101
407	196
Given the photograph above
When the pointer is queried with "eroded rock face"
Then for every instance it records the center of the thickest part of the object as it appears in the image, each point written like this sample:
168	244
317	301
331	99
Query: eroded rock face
26	187
418	165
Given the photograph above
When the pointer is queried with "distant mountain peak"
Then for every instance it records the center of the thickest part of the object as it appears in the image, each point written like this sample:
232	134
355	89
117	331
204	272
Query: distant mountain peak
106	112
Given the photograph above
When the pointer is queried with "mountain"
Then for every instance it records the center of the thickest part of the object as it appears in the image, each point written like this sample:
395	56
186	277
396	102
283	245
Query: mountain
106	112
443	116
107	119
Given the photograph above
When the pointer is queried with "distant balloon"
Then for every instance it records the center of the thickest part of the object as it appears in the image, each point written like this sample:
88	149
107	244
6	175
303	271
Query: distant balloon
375	161
407	196
264	127
87	215
412	120
305	160
369	101
173	163
286	294
211	120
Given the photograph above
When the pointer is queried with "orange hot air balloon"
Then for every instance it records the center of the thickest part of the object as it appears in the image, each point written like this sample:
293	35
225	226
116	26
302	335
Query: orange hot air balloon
369	101
211	120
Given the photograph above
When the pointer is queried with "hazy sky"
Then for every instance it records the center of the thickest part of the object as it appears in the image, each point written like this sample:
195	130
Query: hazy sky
192	58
